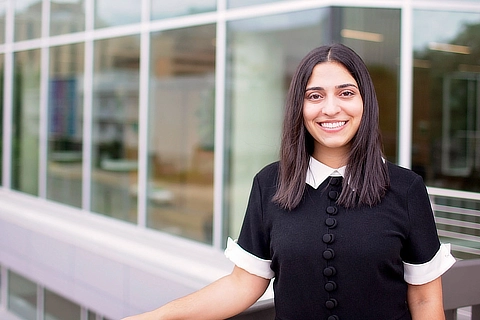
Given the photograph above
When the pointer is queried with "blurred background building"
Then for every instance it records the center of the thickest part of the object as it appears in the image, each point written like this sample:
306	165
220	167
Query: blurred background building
131	131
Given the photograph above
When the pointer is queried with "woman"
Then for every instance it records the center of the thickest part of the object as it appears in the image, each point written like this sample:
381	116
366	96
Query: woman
345	233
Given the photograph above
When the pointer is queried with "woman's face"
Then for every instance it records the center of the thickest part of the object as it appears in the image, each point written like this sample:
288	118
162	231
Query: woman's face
332	111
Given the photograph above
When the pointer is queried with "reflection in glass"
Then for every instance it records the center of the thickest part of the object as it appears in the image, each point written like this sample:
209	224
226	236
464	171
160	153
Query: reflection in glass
67	16
59	308
375	35
22	296
64	171
181	145
3	12
91	315
446	117
243	3
161	9
459	108
115	127
28	19
110	13
25	125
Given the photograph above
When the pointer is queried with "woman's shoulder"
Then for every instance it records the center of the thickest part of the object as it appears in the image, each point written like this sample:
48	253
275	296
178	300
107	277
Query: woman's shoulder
402	176
269	170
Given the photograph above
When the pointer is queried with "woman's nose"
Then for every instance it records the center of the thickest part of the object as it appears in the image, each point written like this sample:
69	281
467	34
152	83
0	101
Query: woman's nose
330	106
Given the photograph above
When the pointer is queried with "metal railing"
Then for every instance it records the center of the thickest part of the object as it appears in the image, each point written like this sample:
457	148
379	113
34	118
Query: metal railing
457	214
461	288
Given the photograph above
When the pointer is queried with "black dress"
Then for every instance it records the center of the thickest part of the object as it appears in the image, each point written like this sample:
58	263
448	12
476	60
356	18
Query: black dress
337	264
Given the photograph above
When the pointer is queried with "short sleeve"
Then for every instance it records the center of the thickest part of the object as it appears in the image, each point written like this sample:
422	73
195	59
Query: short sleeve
247	261
423	273
252	246
424	257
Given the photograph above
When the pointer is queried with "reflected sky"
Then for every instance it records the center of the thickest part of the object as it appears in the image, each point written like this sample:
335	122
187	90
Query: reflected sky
117	12
439	26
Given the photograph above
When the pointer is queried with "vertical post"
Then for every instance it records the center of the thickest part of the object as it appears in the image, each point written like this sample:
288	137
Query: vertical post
143	123
8	76
451	314
476	312
44	97
220	57
87	106
406	87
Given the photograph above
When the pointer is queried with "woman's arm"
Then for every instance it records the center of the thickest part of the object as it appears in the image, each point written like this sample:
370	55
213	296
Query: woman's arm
425	301
222	299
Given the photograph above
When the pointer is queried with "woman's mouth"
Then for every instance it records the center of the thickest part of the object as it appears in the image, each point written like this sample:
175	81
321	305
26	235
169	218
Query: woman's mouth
332	125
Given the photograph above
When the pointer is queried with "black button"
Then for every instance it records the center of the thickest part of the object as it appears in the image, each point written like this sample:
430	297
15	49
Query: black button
328	254
331	222
330	286
329	271
335	181
334	317
328	238
332	210
331	303
333	195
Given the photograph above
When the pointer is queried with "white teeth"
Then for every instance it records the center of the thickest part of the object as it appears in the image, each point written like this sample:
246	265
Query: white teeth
332	125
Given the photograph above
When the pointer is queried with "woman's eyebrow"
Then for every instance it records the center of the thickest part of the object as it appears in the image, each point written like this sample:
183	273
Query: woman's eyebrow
346	85
340	86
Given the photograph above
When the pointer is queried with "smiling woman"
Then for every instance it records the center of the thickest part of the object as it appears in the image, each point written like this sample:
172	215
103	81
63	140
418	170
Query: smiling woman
325	221
332	112
340	75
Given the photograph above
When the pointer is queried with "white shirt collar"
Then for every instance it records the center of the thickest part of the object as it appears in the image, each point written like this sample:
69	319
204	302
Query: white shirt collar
317	172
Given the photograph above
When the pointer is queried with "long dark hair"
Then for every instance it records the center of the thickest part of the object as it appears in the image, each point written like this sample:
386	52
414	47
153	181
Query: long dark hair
366	176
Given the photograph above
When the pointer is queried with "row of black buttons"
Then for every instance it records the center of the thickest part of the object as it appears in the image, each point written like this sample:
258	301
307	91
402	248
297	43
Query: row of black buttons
329	253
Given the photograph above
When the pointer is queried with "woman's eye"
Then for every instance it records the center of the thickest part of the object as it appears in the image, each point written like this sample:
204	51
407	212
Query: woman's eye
314	96
347	93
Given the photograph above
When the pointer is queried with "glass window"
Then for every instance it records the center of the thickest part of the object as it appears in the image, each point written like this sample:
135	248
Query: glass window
59	308
181	145
67	16
2	21
110	13
446	99
375	35
115	127
28	19
64	170
25	125
22	296
243	3
161	9
91	315
263	54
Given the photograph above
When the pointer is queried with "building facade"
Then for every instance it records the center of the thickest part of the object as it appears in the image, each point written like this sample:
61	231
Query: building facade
132	129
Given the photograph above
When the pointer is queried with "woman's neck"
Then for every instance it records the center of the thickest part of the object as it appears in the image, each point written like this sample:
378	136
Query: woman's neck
333	158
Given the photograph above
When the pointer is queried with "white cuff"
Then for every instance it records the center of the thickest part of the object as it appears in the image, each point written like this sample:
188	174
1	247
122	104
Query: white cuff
417	274
247	261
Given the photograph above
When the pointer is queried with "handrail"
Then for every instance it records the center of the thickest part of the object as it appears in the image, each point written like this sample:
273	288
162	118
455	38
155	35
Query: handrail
461	288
